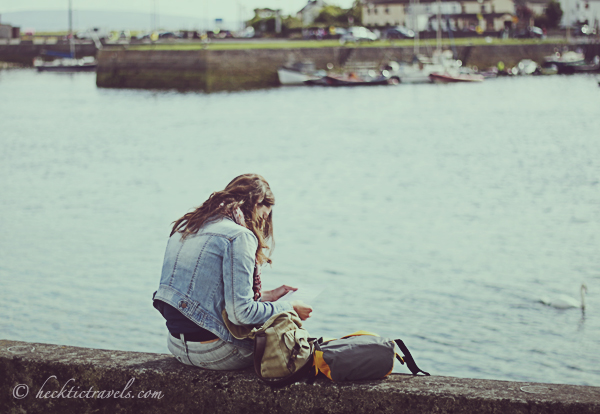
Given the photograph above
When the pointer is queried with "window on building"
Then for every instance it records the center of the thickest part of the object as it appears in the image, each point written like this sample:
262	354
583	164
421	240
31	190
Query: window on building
375	10
482	9
387	10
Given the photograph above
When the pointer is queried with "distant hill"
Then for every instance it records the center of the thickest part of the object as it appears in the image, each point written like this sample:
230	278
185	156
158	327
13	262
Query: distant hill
56	20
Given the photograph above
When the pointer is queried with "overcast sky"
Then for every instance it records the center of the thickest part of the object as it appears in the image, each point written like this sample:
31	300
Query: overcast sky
226	9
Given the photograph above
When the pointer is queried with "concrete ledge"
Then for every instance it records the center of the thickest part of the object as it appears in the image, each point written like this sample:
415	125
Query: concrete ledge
34	374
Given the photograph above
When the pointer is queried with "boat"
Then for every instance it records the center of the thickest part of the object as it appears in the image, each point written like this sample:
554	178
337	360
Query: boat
68	62
86	64
587	67
298	73
416	72
567	63
447	77
350	80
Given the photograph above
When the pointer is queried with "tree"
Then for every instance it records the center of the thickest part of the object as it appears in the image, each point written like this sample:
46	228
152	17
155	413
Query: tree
331	15
356	12
553	14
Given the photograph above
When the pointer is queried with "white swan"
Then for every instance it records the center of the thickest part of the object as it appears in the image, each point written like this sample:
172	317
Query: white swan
566	302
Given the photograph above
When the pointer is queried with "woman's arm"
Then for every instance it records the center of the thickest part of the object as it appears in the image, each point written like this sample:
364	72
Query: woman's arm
275	294
238	272
302	309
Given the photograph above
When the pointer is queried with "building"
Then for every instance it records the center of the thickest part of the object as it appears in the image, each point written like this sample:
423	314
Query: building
9	32
489	15
310	12
580	11
385	12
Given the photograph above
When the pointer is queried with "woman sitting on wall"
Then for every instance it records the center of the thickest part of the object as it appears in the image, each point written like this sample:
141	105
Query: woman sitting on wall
212	262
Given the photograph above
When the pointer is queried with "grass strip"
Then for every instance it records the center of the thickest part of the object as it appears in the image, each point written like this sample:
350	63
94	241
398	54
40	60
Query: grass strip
303	44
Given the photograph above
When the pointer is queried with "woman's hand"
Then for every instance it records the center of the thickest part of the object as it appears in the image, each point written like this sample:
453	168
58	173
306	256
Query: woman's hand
275	294
302	309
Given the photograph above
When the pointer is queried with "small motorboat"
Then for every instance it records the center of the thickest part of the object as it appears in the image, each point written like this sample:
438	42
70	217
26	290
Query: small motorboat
587	67
446	77
567	63
351	80
86	64
298	73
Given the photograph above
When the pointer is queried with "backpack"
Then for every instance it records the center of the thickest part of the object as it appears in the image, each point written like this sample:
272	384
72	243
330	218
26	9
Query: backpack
283	352
361	356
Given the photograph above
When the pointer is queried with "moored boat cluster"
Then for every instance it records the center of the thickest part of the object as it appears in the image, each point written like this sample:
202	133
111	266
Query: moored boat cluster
440	68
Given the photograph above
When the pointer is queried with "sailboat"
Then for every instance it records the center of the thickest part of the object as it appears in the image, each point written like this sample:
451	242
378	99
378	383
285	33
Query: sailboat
452	71
420	68
68	62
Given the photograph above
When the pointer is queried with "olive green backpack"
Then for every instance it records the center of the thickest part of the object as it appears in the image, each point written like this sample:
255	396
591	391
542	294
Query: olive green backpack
283	351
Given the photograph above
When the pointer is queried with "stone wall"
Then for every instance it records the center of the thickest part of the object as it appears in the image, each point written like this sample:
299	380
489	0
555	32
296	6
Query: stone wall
25	52
44	378
230	70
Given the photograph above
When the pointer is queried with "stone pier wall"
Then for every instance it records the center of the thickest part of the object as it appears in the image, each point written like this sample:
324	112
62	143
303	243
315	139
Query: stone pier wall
230	70
24	52
43	378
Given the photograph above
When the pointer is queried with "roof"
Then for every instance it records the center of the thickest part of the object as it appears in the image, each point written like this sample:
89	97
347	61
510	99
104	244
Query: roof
310	4
471	15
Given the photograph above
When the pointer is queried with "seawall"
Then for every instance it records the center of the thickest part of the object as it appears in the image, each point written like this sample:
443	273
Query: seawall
231	70
25	51
45	378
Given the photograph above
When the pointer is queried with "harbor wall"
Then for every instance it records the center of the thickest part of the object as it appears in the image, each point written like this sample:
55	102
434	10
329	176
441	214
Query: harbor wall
24	52
230	70
60	379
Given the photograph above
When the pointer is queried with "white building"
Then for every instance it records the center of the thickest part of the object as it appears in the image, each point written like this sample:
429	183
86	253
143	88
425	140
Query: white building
491	15
575	11
310	12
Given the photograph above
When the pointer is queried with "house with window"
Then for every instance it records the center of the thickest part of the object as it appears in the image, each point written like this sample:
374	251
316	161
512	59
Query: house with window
384	12
580	11
9	32
489	15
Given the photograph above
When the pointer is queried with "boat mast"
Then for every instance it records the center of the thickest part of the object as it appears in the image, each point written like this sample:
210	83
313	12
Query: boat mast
415	16
71	40
439	27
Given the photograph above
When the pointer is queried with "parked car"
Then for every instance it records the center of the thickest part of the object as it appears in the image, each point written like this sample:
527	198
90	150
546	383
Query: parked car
584	30
399	32
246	33
93	32
358	34
531	32
169	35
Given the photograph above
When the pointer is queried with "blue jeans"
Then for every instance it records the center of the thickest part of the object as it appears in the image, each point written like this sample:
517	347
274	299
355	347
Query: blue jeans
216	354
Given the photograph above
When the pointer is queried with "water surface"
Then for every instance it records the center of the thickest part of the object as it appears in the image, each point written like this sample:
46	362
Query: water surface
436	214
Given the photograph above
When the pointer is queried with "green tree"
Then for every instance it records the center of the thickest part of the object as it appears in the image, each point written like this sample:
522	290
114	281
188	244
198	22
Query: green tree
332	15
356	12
553	14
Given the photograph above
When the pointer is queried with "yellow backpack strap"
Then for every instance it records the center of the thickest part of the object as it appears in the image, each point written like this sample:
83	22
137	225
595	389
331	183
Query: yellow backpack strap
321	365
359	333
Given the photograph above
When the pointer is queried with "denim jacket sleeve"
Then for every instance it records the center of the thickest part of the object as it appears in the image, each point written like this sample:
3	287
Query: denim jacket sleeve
238	274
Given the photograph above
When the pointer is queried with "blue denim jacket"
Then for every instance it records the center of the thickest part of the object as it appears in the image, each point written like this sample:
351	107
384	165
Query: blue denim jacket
211	271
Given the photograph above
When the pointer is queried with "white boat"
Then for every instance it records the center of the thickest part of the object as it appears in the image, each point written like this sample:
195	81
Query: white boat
86	64
289	76
69	63
298	73
416	72
446	77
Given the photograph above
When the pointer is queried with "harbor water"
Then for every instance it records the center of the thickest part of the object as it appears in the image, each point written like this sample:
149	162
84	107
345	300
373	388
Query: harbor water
438	214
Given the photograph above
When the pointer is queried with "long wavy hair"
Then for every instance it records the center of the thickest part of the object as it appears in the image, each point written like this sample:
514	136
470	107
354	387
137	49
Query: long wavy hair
248	192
